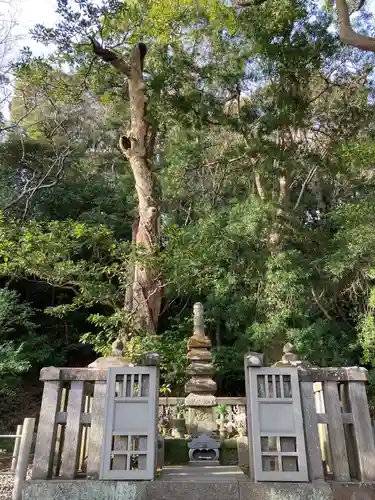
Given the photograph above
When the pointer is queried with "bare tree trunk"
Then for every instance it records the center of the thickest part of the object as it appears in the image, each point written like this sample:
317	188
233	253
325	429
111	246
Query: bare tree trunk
143	298
259	186
275	236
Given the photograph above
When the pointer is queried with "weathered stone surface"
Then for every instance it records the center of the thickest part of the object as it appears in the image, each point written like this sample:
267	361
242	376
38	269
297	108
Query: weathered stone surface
204	442
283	491
200	369
288	347
199	355
200	400
201	420
254	359
199	341
198	318
89	374
84	490
110	362
50	373
161	452
180	483
353	491
131	491
198	385
173	401
355	373
151	359
208	474
290	358
243	451
117	348
193	489
287	363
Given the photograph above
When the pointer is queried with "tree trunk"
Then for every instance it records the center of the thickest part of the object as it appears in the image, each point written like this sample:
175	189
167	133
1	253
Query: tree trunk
143	297
275	236
346	31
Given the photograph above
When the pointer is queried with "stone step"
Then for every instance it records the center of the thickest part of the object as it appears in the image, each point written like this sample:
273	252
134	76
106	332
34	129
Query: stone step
203	473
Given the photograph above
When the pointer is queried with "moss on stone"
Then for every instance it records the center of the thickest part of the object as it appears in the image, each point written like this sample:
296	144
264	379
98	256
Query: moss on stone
228	452
176	452
229	444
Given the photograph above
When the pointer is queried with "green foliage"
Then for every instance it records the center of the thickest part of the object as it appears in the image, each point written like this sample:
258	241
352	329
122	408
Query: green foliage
176	452
165	390
180	409
264	162
172	353
228	456
16	357
222	410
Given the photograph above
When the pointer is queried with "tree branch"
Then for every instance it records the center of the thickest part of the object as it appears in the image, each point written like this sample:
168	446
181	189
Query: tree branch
247	3
110	57
16	124
259	186
359	6
319	304
26	190
308	179
347	33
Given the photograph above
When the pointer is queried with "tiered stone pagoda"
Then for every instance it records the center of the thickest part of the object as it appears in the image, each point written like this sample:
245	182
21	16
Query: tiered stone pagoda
201	387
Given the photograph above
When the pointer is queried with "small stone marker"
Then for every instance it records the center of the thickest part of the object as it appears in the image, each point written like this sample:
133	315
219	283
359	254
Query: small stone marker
204	450
290	358
115	359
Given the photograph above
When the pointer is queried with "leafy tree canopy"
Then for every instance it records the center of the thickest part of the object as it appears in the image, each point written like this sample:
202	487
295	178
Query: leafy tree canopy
263	164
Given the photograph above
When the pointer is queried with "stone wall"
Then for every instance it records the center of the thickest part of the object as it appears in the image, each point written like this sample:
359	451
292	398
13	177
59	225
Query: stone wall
198	490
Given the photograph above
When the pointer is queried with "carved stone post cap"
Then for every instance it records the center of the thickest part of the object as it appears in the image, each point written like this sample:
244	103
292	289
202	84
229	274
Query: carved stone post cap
50	373
254	359
151	359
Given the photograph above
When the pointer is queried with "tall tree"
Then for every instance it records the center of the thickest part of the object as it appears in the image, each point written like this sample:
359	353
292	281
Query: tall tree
143	296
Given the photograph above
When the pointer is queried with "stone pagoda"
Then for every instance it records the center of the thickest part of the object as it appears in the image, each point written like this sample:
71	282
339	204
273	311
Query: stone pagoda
201	387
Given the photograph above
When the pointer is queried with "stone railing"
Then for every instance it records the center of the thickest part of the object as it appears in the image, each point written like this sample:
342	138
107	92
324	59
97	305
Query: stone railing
21	455
70	437
70	429
228	401
338	429
231	403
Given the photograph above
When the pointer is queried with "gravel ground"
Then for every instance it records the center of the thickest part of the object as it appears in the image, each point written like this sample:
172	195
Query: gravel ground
6	484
